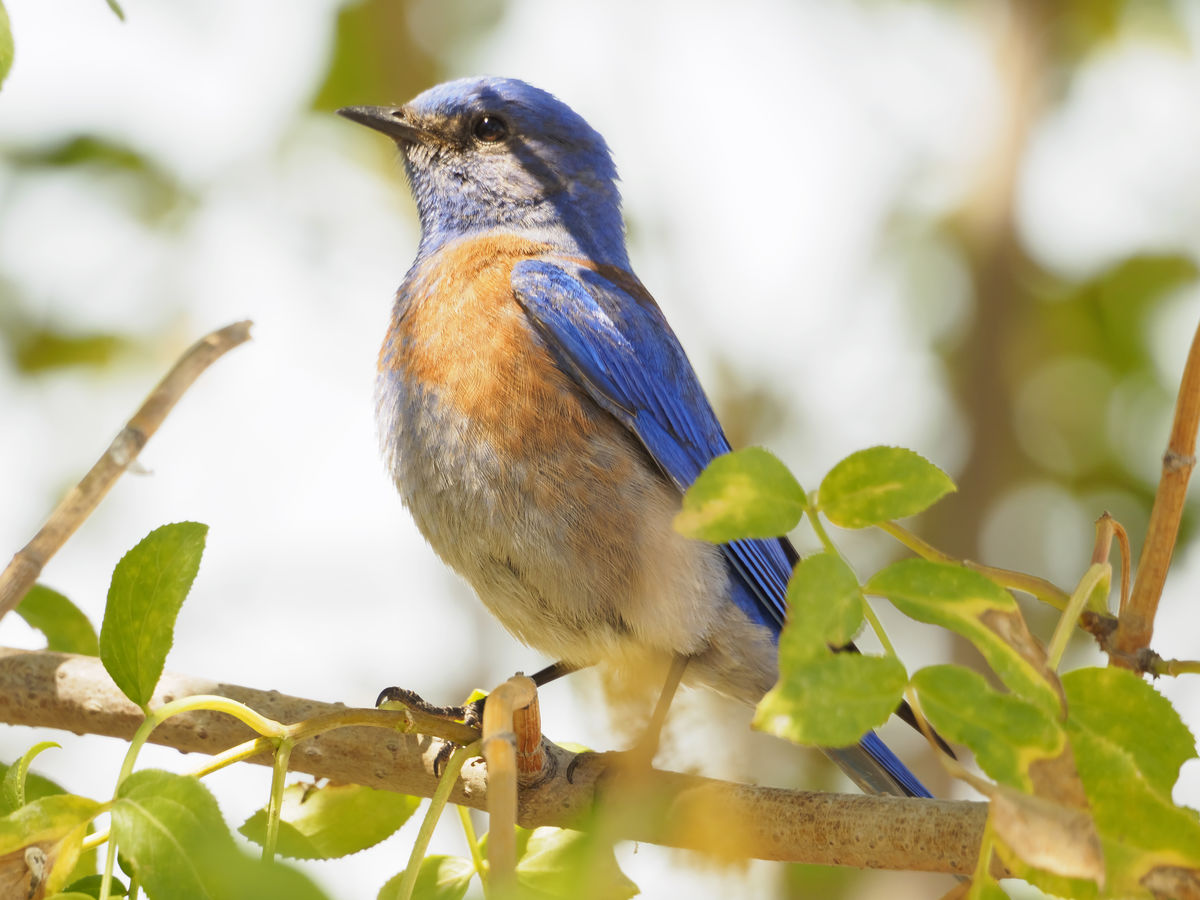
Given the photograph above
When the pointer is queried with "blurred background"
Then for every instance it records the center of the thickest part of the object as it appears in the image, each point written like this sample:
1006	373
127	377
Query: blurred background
967	228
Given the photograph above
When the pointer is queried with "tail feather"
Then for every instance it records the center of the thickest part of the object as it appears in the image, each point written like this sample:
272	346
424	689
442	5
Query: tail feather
876	769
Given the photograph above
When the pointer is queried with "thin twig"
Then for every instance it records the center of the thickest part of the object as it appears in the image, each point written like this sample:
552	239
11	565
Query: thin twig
1136	625
82	499
1037	587
1126	565
1177	667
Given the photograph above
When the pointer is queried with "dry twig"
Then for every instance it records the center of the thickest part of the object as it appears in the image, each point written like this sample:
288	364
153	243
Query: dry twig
71	512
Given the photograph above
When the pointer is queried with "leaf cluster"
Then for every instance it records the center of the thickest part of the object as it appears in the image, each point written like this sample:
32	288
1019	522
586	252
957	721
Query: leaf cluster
1082	766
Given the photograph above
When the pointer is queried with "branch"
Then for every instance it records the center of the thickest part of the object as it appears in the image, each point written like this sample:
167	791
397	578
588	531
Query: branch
73	509
1136	621
74	693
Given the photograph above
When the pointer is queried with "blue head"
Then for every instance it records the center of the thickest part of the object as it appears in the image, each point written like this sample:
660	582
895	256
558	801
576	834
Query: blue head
487	154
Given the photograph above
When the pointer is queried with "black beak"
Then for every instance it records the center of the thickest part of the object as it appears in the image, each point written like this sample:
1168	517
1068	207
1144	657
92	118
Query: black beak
391	120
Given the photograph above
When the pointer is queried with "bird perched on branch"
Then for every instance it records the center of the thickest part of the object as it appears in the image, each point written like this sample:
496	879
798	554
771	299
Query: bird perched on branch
542	421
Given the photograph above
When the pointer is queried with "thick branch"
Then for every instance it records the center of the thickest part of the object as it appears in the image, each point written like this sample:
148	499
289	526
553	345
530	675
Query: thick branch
20	574
74	693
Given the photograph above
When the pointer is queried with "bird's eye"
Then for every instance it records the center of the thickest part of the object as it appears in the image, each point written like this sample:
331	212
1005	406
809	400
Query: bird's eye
489	129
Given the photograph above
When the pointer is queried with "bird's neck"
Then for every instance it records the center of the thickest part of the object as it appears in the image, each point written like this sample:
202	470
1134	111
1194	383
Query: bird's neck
590	231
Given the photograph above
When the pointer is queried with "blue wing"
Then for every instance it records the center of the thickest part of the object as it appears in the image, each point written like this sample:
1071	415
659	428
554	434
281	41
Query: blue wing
620	348
609	334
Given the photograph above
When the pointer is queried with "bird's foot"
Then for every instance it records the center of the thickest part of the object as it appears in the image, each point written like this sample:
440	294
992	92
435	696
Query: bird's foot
470	714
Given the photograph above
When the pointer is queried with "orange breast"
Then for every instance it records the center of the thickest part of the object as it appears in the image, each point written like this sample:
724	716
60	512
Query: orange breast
464	337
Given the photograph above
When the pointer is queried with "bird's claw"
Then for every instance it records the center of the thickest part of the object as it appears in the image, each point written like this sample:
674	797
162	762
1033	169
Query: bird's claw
469	714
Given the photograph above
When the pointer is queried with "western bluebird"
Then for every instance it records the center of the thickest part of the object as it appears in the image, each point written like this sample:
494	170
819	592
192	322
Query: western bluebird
541	420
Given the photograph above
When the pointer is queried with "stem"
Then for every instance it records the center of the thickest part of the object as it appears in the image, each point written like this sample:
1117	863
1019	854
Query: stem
156	717
464	816
818	528
1066	622
1177	667
877	625
218	762
1040	588
275	807
436	806
234	755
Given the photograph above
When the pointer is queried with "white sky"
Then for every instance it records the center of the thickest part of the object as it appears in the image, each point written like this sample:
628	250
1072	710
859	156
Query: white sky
763	150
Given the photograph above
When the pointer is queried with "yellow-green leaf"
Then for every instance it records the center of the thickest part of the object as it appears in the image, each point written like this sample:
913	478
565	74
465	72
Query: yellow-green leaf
334	820
745	494
554	861
55	826
982	612
12	785
6	44
1006	733
438	878
880	484
825	606
831	701
1115	722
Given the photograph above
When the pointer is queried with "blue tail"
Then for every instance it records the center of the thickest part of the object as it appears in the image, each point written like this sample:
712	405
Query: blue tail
882	754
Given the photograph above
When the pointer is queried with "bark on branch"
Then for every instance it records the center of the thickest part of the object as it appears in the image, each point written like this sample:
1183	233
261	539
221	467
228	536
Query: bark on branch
74	693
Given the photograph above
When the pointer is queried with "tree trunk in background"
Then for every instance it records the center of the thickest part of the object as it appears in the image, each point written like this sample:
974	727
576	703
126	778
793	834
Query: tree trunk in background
981	367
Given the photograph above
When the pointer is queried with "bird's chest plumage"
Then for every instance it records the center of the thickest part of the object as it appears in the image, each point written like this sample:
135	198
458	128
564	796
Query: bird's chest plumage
539	498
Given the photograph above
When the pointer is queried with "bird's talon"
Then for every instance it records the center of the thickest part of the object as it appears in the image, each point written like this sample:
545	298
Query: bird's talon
415	701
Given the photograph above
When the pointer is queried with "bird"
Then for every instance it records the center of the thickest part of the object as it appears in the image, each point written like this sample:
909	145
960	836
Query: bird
541	420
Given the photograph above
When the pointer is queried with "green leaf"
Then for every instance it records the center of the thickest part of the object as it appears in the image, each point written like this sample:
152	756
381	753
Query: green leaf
241	877
831	701
439	878
982	612
825	607
556	860
89	886
332	821
172	834
6	44
1129	744
45	349
1126	710
1006	733
148	588
880	484
745	494
66	628
12	786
